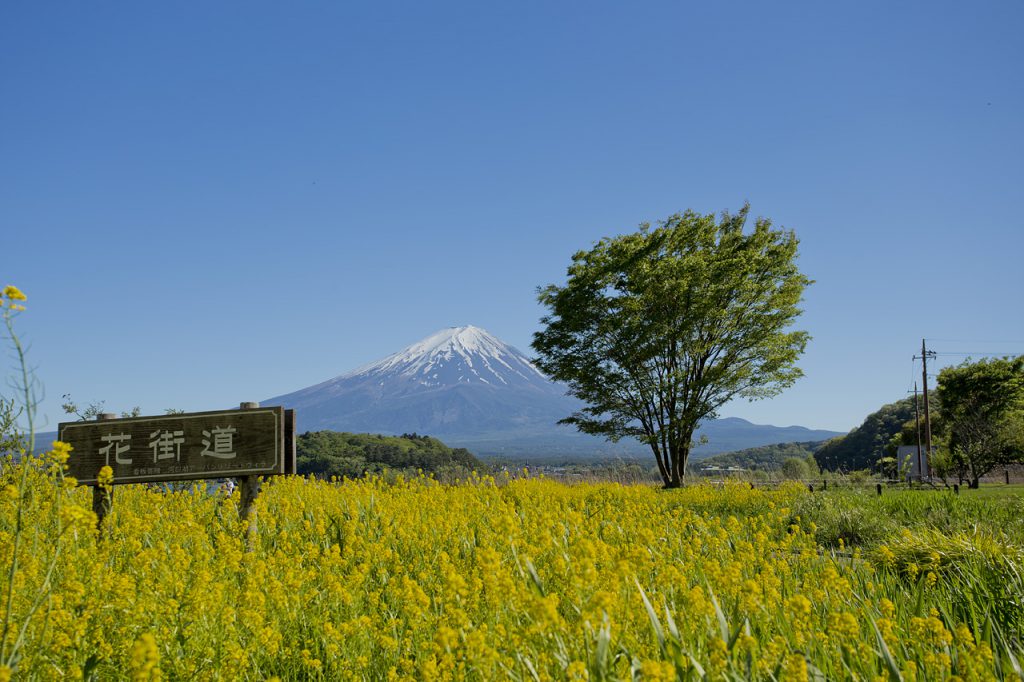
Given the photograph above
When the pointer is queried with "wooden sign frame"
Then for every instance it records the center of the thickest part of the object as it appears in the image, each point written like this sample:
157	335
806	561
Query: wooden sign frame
239	443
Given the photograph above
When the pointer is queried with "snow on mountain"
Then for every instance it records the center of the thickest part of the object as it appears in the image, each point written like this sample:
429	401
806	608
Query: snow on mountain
453	356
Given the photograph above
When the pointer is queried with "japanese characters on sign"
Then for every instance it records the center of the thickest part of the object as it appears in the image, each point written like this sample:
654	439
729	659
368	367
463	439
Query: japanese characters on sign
229	443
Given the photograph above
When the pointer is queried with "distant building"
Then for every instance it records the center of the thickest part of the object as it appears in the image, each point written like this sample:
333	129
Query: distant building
714	469
907	454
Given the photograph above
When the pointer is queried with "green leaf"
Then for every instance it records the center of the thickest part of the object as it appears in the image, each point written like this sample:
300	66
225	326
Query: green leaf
659	632
887	658
535	580
723	624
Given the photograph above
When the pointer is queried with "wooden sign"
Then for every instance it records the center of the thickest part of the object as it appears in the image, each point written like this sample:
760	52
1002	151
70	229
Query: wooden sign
224	444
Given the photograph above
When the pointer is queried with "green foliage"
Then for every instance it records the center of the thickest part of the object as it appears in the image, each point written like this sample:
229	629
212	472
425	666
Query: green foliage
333	453
866	444
795	468
970	545
1011	433
984	411
889	467
944	465
95	408
656	330
765	457
847	518
858	476
907	435
11	441
977	567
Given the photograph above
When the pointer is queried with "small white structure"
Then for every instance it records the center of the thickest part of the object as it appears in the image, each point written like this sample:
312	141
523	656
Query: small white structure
906	456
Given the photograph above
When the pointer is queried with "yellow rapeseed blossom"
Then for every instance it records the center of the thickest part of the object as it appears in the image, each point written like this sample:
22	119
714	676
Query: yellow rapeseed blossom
59	453
577	672
13	293
656	671
794	669
9	295
145	659
517	578
105	477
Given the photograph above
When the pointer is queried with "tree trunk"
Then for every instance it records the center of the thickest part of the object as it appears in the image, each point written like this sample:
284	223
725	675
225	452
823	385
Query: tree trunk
675	479
678	453
976	475
661	464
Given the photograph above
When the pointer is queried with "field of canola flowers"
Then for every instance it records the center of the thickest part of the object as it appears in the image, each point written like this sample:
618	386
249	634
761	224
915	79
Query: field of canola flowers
514	579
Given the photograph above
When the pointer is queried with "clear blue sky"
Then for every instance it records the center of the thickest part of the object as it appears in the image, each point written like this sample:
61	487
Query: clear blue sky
214	202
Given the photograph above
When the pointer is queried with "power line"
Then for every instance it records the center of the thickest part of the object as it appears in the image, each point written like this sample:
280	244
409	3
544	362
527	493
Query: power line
1009	343
953	352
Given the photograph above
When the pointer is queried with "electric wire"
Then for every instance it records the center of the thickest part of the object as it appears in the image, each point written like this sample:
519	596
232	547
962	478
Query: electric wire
1009	343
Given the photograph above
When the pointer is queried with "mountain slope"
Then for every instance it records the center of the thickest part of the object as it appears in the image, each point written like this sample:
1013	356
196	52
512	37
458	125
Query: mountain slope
461	380
469	388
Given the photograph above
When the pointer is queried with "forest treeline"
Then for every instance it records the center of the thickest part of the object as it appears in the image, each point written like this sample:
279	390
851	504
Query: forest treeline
862	447
334	453
763	458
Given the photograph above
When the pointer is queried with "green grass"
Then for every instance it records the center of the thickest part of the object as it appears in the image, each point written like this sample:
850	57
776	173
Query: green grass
995	490
862	518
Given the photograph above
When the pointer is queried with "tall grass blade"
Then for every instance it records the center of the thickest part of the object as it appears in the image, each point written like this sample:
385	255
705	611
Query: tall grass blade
723	624
659	632
890	662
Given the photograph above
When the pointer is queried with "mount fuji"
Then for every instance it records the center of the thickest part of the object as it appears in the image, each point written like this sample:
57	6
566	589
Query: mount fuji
472	390
460	381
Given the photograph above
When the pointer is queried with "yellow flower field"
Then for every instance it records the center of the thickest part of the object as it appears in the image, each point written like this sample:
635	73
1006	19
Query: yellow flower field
523	579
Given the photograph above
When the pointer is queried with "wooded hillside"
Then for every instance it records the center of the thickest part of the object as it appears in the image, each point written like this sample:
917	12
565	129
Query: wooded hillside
763	458
866	444
334	453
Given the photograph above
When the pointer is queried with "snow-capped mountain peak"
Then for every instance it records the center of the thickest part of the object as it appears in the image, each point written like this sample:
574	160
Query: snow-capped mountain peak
456	355
472	389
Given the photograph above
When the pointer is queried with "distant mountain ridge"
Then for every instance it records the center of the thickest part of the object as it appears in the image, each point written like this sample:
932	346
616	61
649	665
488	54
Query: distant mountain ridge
470	389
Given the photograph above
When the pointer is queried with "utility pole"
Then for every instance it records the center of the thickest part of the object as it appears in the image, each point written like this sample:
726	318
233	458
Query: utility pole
917	429
925	354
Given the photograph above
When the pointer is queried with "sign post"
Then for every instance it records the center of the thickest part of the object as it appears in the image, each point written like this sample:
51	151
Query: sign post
246	443
250	489
102	498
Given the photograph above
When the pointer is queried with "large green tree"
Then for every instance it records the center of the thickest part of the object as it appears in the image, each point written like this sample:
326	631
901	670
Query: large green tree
982	405
654	331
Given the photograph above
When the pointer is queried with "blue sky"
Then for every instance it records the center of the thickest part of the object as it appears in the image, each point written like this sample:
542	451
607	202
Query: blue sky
215	202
